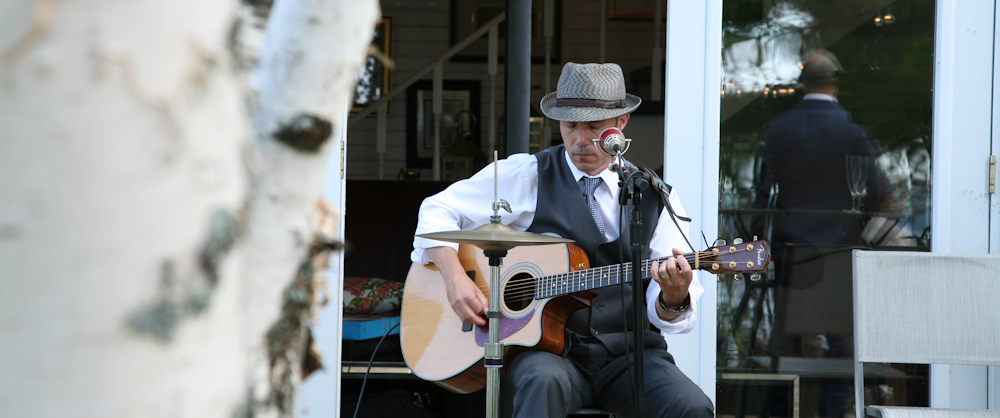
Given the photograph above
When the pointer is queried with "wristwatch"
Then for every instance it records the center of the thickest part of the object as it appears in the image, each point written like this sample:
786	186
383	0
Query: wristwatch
684	306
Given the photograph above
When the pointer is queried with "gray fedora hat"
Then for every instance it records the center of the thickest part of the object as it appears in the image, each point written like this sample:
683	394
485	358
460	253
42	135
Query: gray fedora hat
589	92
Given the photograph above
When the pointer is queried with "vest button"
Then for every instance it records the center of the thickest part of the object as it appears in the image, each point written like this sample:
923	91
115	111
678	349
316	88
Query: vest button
594	331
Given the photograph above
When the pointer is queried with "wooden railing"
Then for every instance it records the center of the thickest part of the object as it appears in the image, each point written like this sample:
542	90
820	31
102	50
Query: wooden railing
436	66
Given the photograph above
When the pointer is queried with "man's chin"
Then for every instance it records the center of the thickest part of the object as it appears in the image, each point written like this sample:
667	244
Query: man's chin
585	163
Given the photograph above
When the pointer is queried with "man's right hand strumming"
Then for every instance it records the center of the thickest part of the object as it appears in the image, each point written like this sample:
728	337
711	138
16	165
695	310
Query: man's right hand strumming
466	299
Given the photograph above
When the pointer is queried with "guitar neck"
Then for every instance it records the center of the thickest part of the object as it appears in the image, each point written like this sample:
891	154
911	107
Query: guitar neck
750	257
598	277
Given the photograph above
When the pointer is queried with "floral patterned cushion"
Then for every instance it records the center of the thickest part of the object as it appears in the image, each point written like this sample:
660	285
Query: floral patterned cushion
371	296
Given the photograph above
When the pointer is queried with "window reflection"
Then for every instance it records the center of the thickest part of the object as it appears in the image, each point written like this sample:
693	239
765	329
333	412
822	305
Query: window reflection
826	111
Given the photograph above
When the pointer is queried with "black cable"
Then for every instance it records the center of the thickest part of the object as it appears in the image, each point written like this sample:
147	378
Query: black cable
370	361
673	217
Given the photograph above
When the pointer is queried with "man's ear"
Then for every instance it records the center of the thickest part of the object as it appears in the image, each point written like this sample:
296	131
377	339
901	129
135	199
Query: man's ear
623	120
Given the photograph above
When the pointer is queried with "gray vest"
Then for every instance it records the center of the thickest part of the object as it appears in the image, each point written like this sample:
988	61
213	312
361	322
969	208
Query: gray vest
563	210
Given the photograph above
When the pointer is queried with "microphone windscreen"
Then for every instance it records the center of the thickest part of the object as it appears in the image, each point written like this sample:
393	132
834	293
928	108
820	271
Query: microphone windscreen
612	140
611	131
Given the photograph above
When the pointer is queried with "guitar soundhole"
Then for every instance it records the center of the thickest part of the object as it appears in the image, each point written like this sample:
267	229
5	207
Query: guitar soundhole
519	292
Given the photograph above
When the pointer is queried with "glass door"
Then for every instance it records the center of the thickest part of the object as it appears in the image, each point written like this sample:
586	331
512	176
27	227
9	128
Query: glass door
825	146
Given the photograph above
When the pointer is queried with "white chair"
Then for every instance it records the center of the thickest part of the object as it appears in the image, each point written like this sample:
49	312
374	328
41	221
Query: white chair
924	308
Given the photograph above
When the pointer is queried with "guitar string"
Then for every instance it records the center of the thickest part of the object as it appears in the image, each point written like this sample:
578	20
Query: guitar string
569	280
564	283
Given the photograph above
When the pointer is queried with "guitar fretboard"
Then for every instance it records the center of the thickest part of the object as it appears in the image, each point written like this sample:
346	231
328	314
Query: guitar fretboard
576	281
742	257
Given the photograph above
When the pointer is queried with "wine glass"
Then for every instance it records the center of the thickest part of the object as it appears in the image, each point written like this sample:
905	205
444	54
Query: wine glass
857	179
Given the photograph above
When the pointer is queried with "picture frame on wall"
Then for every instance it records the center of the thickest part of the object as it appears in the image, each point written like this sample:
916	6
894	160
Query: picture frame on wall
375	78
469	15
460	104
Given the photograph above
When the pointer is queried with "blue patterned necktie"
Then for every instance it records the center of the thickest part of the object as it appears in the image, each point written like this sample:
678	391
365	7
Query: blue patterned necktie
589	186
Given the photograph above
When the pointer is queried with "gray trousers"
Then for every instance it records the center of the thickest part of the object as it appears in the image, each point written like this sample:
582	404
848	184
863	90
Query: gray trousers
549	385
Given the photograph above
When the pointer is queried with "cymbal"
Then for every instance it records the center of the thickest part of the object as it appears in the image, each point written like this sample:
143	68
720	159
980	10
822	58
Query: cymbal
495	237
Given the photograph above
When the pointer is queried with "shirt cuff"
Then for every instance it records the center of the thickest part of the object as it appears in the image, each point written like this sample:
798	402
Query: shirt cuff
684	323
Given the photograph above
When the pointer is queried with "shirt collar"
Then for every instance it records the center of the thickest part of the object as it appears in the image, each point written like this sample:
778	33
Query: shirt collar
610	177
820	96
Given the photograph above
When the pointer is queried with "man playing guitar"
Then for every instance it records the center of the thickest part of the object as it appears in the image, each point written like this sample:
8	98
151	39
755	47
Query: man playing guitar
569	190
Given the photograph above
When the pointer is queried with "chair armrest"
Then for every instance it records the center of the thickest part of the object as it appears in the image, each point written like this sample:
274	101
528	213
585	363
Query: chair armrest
919	412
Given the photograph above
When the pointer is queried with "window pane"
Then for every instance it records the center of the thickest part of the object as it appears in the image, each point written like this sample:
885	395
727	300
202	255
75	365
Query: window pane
825	147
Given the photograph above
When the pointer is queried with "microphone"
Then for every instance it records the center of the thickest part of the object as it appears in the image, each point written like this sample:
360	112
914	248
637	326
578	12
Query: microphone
612	142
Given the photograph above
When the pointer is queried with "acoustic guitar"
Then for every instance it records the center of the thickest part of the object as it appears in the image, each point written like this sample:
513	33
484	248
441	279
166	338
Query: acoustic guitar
536	282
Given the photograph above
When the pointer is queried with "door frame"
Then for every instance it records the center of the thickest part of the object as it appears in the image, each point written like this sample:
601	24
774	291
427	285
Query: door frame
691	158
964	72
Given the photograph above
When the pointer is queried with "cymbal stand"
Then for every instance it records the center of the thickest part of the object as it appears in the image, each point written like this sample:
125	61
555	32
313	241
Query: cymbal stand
493	359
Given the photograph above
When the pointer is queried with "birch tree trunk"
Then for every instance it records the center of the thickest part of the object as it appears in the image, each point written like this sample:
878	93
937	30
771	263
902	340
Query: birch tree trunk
160	225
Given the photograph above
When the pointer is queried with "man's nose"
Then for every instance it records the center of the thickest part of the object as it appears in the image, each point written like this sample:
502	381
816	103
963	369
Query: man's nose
582	139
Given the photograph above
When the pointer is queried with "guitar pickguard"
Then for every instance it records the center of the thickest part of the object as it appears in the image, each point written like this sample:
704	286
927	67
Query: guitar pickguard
508	327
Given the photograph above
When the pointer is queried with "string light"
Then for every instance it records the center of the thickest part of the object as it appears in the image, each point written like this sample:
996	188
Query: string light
885	19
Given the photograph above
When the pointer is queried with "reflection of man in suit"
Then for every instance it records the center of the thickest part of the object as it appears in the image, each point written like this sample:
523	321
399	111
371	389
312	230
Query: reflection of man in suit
804	164
805	157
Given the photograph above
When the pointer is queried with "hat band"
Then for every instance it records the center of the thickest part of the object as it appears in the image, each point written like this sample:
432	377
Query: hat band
606	104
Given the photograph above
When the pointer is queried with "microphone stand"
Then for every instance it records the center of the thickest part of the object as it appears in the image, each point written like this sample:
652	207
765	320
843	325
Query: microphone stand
631	187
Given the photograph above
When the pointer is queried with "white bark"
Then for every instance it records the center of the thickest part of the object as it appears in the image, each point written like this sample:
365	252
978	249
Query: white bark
291	81
126	156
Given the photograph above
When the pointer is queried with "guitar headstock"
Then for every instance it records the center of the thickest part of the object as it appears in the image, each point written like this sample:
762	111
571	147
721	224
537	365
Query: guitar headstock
745	257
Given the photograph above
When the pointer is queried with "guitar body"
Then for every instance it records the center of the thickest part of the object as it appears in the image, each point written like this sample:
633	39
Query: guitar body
437	347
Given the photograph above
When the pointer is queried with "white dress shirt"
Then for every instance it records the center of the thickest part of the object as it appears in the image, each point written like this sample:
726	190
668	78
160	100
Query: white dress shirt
820	96
467	204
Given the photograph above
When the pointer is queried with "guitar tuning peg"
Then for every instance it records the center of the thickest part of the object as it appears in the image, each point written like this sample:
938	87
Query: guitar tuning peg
737	241
739	277
755	277
719	277
720	242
